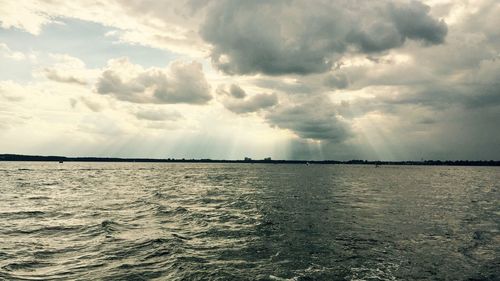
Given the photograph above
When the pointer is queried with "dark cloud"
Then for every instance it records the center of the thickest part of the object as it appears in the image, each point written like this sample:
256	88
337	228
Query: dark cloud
314	119
253	103
486	100
413	85
482	87
426	121
413	21
409	20
336	81
236	99
237	92
302	37
478	87
181	83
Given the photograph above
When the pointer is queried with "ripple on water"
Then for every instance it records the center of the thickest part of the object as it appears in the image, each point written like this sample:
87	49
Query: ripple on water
119	221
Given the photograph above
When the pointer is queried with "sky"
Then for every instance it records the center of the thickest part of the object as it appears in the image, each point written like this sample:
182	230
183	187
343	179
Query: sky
287	79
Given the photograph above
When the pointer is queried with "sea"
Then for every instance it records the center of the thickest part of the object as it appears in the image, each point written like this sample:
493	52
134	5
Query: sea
195	221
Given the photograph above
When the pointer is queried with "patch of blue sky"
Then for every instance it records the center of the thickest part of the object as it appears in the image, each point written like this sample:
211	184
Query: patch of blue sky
86	41
15	70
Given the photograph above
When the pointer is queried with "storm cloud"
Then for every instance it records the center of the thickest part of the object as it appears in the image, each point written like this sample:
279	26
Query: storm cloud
236	99
385	79
295	37
314	119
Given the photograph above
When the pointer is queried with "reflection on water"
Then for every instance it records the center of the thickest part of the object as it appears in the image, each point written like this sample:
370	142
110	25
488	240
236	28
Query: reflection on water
107	221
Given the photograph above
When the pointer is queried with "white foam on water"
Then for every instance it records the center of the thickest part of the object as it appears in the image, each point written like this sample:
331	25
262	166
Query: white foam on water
276	278
381	271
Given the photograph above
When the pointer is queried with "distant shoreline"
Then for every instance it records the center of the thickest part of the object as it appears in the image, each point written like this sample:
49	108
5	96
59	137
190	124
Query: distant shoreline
37	158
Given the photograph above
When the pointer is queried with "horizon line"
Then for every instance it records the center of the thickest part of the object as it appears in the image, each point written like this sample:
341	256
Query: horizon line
56	158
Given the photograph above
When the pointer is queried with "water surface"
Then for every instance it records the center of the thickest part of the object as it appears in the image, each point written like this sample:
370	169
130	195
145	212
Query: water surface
143	221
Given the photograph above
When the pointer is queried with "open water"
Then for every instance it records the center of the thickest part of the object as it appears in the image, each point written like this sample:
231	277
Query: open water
136	221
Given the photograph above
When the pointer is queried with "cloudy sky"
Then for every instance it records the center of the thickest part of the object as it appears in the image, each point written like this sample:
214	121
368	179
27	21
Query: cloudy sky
289	79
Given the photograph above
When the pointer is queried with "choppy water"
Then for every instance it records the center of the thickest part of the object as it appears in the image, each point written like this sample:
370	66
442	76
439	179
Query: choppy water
105	221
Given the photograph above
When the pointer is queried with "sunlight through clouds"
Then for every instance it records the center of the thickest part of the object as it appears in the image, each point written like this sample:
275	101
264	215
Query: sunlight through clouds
389	79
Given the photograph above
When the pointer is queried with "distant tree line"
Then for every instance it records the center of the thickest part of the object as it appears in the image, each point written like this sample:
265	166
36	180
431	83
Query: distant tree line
16	157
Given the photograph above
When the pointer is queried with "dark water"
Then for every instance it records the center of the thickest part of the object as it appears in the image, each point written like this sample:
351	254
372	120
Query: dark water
100	221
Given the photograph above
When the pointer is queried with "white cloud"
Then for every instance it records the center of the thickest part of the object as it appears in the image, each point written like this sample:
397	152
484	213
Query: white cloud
156	114
92	104
25	15
181	82
168	25
11	91
68	69
334	74
6	52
